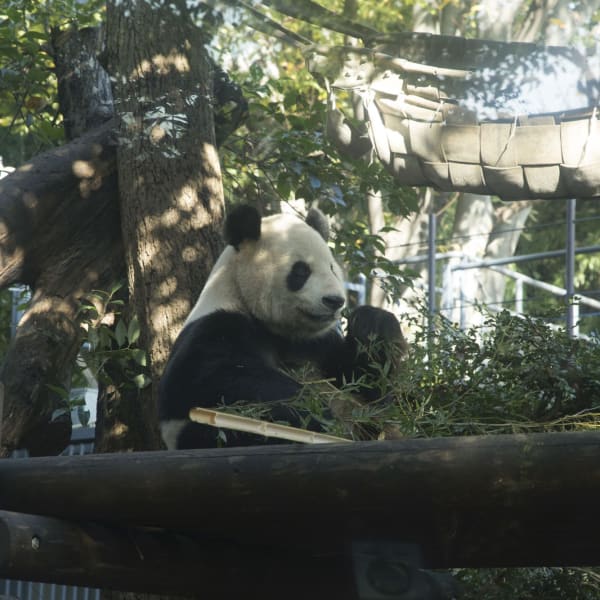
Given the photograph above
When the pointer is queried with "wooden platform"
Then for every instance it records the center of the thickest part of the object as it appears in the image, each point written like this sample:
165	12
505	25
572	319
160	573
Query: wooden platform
294	511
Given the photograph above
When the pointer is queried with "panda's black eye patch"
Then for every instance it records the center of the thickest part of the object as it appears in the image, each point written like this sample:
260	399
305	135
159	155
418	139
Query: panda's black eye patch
298	276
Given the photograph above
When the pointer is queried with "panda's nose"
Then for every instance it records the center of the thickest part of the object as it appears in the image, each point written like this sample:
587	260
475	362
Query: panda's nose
333	302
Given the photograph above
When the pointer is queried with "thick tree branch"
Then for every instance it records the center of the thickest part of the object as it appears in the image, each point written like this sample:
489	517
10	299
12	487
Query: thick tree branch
60	235
50	201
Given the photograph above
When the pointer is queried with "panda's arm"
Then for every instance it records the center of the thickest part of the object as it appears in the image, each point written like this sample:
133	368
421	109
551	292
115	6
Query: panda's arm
374	338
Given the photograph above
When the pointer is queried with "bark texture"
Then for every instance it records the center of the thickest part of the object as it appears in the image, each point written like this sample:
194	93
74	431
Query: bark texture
59	234
171	200
84	87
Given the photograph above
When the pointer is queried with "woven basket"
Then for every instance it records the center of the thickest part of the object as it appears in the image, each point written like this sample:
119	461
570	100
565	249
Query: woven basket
460	115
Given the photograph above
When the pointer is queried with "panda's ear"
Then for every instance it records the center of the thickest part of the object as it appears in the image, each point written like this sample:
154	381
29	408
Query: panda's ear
242	223
317	220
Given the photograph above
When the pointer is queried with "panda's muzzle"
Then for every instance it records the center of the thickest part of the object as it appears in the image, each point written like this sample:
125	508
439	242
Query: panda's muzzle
332	304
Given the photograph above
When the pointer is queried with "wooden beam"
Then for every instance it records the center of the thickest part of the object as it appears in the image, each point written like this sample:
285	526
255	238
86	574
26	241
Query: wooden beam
514	500
44	549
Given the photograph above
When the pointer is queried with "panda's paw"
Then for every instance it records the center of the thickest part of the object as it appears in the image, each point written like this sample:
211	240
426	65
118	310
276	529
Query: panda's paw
376	346
377	336
369	323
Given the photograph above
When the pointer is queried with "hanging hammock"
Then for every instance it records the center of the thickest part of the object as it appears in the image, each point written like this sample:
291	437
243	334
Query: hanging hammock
515	120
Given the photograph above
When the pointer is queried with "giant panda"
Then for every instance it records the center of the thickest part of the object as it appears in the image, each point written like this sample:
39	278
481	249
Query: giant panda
273	298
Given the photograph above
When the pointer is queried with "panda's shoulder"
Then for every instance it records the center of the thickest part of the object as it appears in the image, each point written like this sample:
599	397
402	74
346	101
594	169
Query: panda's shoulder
218	325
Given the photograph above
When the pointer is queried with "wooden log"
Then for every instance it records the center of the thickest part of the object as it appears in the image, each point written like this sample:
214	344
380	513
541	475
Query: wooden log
44	549
514	500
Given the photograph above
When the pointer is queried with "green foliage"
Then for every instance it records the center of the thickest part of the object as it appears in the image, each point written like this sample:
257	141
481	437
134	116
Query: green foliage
509	375
29	117
530	584
111	349
364	252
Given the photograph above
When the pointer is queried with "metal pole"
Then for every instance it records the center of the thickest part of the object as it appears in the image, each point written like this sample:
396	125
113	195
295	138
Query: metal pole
478	264
519	296
572	328
20	295
462	300
431	263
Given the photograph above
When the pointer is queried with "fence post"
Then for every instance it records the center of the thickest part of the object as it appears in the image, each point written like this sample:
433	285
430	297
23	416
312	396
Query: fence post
519	296
431	264
572	331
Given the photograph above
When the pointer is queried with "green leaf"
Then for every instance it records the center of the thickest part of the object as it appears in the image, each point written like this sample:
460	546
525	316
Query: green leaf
93	338
121	334
104	338
139	356
57	389
36	35
133	331
141	381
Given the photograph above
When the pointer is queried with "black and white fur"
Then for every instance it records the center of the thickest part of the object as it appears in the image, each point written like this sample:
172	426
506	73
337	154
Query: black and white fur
273	298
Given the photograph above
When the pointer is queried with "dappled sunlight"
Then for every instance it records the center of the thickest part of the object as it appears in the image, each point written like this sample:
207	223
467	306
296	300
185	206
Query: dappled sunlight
187	198
168	287
157	134
67	210
91	183
210	151
83	168
118	430
162	64
88	186
170	218
176	305
190	254
29	199
42	307
212	176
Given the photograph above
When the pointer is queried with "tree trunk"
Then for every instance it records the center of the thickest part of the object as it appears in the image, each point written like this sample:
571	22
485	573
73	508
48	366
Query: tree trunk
84	90
61	236
171	200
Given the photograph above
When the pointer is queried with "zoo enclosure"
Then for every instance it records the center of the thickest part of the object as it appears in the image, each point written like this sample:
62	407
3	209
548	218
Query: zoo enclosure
454	299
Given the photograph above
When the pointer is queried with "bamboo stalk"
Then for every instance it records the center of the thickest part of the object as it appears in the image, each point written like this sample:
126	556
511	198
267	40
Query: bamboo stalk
216	418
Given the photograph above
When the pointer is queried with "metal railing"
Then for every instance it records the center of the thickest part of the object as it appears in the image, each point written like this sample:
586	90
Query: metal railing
451	279
572	300
29	590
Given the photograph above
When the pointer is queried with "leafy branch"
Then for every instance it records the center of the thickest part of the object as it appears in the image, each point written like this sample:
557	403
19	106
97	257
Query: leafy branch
110	349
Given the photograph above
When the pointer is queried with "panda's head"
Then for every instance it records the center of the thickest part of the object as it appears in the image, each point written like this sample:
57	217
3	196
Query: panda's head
283	272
